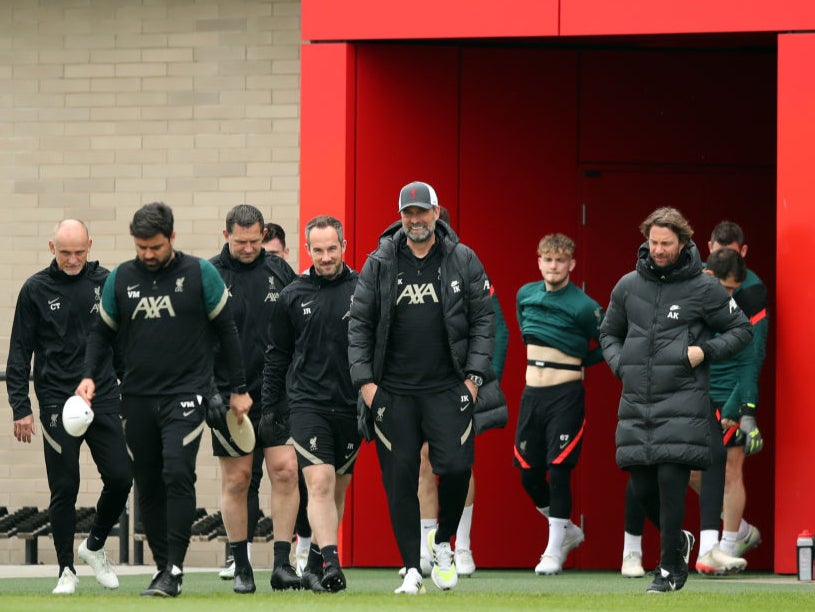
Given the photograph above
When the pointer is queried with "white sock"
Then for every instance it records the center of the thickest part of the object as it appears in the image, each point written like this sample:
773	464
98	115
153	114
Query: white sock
303	544
544	511
728	543
249	550
744	529
557	531
632	543
427	526
175	570
463	531
708	538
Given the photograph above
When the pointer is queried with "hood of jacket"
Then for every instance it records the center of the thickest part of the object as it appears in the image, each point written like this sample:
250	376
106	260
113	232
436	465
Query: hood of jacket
687	265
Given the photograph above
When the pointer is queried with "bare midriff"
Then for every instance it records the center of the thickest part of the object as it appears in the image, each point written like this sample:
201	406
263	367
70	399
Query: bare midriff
546	376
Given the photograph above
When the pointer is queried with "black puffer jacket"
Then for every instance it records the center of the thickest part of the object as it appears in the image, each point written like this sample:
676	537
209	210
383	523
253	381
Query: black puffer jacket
468	315
651	321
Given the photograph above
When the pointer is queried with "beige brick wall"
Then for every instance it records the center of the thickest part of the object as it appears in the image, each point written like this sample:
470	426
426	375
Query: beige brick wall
108	104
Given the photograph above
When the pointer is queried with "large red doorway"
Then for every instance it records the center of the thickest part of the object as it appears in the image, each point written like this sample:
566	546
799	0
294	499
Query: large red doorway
525	141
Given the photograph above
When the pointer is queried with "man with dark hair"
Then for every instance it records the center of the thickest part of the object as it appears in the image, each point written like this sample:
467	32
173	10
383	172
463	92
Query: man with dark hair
307	362
55	311
665	323
560	326
743	438
728	267
274	240
254	280
421	338
162	310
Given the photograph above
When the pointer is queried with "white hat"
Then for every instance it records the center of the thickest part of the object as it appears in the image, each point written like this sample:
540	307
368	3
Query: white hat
242	435
76	416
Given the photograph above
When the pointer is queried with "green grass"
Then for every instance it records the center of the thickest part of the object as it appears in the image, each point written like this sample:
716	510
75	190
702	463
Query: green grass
371	589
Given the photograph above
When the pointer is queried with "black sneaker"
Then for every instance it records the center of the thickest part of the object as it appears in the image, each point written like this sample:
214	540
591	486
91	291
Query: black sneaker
164	584
312	580
664	582
244	581
687	545
284	577
333	579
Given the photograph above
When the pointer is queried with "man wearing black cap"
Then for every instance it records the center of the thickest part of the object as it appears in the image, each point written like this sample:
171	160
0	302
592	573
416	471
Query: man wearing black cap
421	337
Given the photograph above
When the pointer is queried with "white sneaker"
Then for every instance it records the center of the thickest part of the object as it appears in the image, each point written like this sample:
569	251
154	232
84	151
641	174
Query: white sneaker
100	564
465	564
548	566
632	565
66	585
228	573
748	543
444	573
716	562
300	561
424	565
413	583
573	538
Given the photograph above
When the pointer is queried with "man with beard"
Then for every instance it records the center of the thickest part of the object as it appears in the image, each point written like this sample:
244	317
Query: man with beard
659	336
162	309
421	338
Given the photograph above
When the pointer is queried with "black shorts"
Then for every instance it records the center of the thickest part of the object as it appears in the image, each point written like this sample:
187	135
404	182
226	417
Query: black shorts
732	436
444	419
321	438
223	446
550	426
275	432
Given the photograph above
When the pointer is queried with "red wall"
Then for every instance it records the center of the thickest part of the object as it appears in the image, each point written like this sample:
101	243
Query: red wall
795	497
377	20
404	19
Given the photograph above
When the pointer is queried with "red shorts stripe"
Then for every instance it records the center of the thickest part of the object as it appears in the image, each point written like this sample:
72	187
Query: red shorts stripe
524	465
570	447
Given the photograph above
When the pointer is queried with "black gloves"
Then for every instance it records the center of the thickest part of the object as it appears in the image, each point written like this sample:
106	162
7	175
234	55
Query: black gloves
216	410
273	428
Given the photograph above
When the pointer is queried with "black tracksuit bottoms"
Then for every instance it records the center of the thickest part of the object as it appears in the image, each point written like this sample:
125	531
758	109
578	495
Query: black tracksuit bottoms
163	435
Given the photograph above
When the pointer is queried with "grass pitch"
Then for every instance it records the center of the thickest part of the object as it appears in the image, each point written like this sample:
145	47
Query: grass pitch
372	589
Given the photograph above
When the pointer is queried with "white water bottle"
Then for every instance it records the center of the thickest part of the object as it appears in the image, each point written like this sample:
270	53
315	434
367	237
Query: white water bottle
805	545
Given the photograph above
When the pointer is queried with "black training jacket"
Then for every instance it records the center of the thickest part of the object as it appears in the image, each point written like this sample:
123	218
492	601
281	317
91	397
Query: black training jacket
254	289
307	357
52	321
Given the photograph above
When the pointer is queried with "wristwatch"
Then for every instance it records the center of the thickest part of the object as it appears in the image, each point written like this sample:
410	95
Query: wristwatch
476	379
